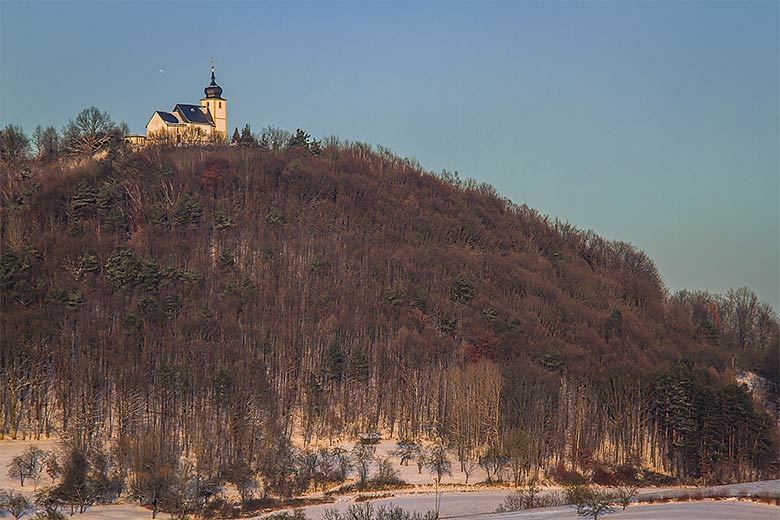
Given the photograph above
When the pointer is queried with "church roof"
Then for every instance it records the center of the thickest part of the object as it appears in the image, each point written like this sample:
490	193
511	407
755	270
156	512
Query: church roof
195	114
168	117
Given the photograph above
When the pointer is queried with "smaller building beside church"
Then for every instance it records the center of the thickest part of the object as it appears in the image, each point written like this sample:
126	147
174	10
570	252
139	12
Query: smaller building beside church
189	123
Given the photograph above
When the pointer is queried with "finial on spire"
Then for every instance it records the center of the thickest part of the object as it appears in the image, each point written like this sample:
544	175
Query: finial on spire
213	90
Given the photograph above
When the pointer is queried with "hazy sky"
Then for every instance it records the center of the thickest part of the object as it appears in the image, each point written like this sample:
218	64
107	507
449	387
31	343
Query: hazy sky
653	122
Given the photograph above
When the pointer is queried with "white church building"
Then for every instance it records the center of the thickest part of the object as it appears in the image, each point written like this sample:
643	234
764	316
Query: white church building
189	123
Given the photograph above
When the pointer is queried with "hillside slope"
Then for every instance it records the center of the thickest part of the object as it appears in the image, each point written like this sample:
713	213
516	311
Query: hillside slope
214	302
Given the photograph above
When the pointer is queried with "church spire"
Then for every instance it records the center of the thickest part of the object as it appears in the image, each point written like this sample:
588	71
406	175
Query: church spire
213	90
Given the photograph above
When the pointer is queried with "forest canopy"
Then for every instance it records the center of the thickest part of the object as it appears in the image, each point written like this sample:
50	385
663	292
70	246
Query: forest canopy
213	301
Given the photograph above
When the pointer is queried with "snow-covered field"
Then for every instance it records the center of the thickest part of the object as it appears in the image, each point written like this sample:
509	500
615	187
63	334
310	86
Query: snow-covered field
720	510
117	512
708	510
459	501
766	487
481	504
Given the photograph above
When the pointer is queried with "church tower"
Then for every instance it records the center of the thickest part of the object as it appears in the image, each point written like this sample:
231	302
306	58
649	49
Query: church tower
216	104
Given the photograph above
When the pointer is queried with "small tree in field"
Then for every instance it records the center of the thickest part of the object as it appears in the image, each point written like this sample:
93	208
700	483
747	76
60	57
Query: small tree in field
151	485
74	488
577	495
16	470
48	505
52	464
362	455
14	504
406	450
439	465
624	494
241	475
594	503
422	459
26	465
468	466
386	473
493	461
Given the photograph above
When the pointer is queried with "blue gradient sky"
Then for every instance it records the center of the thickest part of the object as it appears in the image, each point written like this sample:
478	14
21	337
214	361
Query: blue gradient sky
655	123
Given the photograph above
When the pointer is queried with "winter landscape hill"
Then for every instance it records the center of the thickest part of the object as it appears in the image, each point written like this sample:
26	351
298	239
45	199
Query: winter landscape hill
240	315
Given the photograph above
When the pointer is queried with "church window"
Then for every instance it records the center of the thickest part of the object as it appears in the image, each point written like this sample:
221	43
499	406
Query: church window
220	104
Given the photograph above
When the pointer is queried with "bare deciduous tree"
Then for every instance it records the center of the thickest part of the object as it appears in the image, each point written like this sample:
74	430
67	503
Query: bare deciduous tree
47	143
91	131
14	144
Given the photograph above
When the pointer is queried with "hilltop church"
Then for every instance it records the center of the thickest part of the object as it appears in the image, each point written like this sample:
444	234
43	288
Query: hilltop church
190	124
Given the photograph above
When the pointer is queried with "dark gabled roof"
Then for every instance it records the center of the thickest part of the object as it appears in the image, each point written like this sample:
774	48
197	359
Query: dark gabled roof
167	117
194	114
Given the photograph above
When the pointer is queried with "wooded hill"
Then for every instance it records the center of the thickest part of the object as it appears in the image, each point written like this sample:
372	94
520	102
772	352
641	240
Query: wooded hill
214	301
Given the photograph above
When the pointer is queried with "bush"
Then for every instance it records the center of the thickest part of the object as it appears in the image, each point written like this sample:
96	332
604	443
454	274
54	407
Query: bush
577	495
13	504
624	494
569	478
297	514
366	511
603	477
590	502
627	474
386	475
48	505
531	497
595	504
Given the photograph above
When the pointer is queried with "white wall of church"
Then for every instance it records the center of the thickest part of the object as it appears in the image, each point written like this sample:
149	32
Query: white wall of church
156	125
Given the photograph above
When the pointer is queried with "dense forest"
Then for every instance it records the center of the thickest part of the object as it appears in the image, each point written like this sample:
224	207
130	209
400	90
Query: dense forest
236	305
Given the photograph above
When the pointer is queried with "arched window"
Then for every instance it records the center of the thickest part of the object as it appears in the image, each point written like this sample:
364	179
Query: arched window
220	104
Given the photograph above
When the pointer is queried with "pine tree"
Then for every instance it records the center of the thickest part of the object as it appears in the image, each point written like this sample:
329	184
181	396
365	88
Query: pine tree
247	139
236	137
357	367
334	363
315	148
300	138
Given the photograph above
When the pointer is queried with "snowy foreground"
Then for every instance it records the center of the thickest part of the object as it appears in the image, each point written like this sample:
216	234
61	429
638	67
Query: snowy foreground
475	504
721	510
480	504
676	511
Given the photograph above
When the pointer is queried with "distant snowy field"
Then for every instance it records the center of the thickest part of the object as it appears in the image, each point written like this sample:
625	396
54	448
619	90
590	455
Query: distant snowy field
722	510
481	504
678	511
465	504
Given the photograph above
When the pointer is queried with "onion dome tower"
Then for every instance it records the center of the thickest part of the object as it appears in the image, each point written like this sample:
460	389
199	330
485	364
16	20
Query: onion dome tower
213	90
216	104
